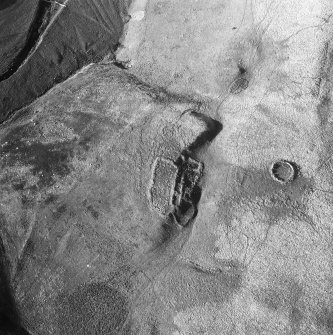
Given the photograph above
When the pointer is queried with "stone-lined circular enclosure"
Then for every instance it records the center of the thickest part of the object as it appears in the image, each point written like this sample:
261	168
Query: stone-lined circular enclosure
283	171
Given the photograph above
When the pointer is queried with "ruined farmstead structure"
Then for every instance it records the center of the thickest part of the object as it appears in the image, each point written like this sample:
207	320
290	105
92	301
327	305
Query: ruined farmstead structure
175	187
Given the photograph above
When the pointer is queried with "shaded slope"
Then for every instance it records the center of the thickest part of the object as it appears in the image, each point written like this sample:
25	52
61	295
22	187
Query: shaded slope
84	32
16	18
43	13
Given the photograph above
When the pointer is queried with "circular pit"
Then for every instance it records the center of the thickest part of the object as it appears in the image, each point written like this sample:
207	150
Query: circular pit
283	171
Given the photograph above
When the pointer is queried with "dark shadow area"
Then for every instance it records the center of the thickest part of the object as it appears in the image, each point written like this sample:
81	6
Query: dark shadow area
36	30
214	128
93	309
7	3
10	323
188	190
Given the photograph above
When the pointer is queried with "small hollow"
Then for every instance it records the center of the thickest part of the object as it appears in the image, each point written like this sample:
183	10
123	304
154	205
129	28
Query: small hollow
283	171
241	69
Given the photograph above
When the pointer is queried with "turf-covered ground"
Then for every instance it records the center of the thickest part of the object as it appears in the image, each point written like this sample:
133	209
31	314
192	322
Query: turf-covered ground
97	237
